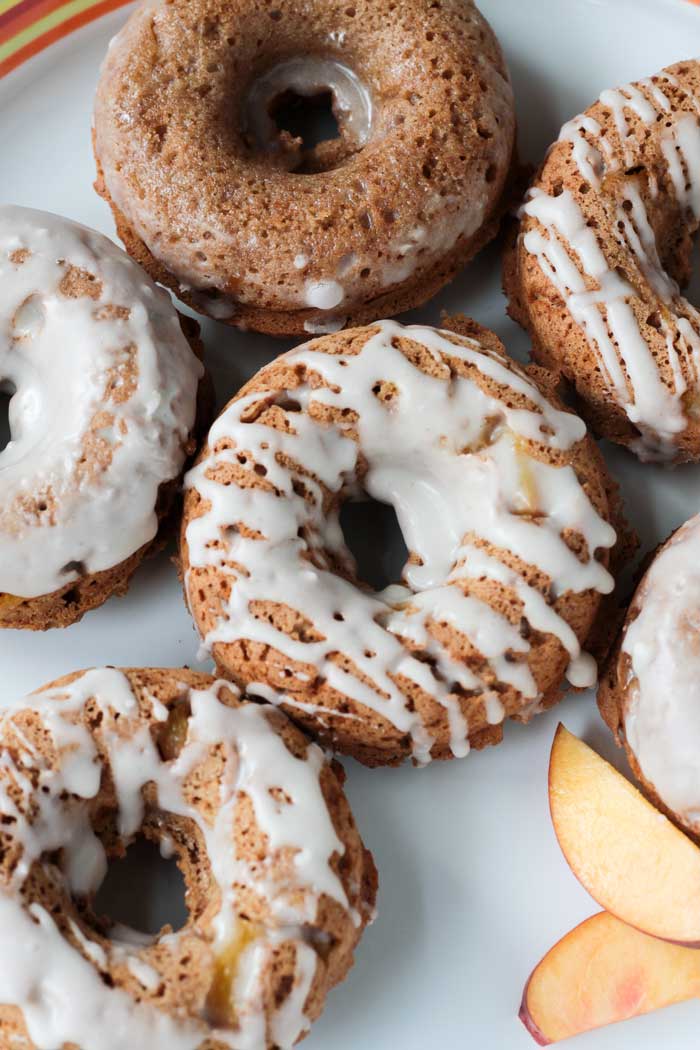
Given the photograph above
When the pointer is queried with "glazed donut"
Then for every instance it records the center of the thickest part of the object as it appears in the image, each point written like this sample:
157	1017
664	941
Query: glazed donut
104	391
279	886
245	224
505	507
604	244
649	695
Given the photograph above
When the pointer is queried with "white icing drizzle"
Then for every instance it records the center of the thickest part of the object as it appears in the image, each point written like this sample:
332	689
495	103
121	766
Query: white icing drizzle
617	100
64	999
59	990
325	327
662	714
570	255
146	975
66	509
324	295
681	150
166	846
660	99
589	158
420	458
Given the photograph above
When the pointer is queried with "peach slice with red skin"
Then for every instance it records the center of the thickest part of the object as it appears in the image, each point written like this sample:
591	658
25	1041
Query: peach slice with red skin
601	972
632	860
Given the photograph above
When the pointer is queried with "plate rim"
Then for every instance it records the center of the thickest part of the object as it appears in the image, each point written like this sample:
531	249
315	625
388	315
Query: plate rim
89	12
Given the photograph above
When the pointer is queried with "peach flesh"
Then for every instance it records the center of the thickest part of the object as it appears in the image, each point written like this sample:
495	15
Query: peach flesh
601	972
632	860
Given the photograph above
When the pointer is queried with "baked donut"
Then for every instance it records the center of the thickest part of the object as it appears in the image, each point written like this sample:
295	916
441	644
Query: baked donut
650	694
595	270
104	389
505	506
239	218
279	885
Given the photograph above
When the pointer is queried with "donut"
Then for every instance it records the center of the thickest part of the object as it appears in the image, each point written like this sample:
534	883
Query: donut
279	885
649	695
603	247
104	389
505	506
245	222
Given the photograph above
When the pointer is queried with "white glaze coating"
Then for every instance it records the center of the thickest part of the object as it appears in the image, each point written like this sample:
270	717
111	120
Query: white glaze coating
324	295
420	460
569	252
90	444
61	994
327	326
661	717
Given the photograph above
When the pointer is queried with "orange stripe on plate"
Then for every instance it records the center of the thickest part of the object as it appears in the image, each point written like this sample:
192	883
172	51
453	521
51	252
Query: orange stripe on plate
45	7
28	17
10	12
103	7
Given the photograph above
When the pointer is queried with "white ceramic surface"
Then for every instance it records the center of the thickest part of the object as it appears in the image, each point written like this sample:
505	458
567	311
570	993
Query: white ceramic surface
473	886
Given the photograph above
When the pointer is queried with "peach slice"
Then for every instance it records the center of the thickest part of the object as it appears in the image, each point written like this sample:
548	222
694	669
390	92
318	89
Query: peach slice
601	972
632	860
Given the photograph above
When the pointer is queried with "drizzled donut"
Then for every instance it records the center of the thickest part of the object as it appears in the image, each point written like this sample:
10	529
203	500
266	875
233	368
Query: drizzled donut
505	507
650	695
279	886
602	251
218	199
104	389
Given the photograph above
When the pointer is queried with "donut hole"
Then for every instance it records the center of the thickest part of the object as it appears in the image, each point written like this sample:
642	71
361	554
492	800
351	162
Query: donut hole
7	392
373	536
307	114
306	117
144	890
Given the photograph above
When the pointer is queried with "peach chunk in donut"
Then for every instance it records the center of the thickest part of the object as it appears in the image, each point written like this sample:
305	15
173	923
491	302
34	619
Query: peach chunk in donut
504	504
107	391
223	199
650	694
278	884
602	251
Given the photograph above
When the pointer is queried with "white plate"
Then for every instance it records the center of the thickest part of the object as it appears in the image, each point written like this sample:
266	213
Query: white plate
473	886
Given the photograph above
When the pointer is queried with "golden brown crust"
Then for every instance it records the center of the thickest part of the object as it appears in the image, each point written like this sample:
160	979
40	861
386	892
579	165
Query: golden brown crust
443	125
613	607
186	965
370	737
70	603
614	677
291	323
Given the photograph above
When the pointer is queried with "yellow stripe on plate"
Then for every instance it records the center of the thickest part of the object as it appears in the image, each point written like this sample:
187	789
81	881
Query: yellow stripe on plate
50	21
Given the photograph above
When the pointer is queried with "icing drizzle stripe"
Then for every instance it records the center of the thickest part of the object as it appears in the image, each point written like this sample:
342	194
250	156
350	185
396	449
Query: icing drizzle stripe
451	459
